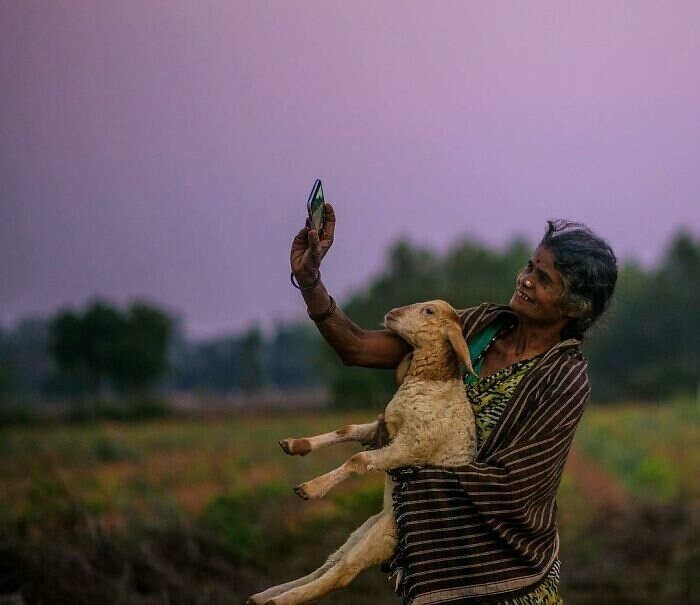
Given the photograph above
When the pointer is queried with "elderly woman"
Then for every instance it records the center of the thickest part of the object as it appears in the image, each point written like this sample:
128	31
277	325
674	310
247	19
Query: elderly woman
486	532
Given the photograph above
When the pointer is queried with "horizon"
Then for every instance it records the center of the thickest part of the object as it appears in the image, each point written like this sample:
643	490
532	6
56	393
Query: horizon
270	328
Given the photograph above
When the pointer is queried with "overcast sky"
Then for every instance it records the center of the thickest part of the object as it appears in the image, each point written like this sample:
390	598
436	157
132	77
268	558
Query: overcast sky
165	150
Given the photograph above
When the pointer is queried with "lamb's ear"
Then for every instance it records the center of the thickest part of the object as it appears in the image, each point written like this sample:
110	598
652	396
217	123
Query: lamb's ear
453	332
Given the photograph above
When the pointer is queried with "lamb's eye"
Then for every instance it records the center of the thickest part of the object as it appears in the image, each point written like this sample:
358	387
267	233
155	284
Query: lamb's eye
429	311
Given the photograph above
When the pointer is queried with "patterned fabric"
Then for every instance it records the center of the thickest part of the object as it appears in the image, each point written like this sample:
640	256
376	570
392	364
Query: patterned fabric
486	532
489	397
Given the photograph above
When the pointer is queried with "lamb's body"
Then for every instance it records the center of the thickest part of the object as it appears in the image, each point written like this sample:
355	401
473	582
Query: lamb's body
433	420
429	421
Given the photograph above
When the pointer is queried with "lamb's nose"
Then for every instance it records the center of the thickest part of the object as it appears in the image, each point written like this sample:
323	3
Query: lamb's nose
391	316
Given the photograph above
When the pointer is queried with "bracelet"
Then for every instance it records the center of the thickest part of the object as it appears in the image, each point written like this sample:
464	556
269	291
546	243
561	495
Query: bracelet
311	286
326	314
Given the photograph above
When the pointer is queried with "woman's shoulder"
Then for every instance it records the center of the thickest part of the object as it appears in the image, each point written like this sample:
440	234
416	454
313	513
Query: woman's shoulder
563	366
476	317
565	353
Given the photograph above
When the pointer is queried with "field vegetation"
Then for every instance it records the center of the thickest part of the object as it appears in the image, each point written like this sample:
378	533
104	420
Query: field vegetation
202	511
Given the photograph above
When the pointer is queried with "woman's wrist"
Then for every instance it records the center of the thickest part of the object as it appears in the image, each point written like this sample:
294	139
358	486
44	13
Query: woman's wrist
305	282
319	304
317	299
319	317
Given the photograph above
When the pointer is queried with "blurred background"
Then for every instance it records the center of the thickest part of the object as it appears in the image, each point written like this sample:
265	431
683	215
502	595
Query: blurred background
155	164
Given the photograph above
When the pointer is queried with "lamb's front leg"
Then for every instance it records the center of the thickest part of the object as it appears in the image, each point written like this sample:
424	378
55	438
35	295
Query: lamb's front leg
364	433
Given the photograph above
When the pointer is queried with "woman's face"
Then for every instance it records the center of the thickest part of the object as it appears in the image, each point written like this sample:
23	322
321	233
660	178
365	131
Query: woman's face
542	285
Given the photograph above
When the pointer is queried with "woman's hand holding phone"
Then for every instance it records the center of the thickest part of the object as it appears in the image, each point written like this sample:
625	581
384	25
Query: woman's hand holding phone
309	247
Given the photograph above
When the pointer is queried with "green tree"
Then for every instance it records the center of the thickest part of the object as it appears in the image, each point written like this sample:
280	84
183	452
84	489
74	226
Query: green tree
289	356
103	344
6	386
650	348
86	345
252	375
142	347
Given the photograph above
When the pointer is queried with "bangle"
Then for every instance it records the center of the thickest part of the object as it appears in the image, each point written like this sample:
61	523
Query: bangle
326	314
311	286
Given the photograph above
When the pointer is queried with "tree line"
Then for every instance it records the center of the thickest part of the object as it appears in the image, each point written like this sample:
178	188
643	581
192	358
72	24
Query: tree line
646	347
104	351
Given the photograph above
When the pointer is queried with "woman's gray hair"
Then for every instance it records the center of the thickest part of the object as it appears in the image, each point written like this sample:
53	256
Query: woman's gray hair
588	268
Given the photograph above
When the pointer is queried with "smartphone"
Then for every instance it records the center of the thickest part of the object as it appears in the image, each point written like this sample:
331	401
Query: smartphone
315	206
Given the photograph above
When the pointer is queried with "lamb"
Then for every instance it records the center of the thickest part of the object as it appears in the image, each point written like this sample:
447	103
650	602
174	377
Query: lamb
429	421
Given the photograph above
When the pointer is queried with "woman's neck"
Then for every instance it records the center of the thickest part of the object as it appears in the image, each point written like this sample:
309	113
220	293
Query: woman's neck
530	338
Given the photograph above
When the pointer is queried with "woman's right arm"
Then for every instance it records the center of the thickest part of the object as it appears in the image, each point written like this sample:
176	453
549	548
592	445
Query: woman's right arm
355	346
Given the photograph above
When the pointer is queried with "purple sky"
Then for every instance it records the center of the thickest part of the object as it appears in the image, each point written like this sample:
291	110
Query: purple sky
166	149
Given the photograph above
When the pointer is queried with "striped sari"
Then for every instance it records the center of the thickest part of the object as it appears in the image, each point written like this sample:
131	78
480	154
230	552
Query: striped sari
489	398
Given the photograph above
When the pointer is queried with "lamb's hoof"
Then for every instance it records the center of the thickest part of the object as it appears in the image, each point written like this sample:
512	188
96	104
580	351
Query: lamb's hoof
300	490
295	447
252	601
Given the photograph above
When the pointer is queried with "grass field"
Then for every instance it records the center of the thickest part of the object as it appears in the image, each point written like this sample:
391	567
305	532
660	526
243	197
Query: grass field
167	498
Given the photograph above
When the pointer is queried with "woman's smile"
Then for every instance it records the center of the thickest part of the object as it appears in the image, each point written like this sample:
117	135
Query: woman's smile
520	294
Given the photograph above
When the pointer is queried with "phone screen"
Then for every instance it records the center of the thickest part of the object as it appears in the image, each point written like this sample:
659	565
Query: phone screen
315	205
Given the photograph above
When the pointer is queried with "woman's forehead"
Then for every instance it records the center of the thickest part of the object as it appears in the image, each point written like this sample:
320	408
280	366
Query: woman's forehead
544	256
543	259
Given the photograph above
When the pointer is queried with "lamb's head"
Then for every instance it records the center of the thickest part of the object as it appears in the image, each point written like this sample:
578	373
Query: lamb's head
432	325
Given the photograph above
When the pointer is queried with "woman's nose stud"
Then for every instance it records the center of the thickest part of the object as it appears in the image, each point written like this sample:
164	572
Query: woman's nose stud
528	283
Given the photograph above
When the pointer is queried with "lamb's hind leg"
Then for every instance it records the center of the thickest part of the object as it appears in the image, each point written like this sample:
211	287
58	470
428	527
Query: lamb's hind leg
363	433
374	546
319	486
263	597
397	453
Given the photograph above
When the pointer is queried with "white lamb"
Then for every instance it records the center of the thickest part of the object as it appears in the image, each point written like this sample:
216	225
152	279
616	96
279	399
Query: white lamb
429	421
